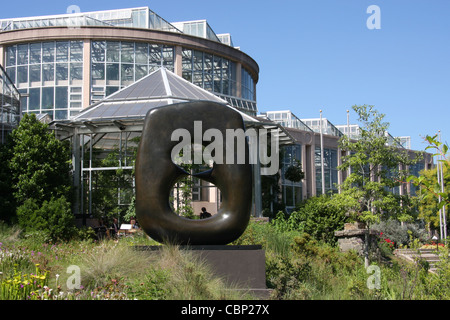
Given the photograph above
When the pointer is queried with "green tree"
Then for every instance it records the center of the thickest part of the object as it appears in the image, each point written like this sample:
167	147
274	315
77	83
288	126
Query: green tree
321	216
7	200
431	190
40	164
40	173
374	165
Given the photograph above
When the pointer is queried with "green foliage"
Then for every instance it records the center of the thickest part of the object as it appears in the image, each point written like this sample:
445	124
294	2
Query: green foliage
153	286
430	190
318	216
53	218
285	276
40	164
23	286
7	200
401	234
374	167
295	173
437	286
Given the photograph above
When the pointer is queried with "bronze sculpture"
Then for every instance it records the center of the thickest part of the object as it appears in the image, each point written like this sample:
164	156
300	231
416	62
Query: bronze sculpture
156	174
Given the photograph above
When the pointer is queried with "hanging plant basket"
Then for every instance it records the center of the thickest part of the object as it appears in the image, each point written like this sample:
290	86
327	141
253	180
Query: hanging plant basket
294	172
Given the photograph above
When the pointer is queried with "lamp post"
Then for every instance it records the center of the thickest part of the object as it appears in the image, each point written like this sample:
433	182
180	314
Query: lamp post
321	154
440	179
437	243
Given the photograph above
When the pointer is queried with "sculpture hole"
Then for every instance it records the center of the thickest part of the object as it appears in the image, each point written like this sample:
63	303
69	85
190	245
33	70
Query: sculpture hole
190	194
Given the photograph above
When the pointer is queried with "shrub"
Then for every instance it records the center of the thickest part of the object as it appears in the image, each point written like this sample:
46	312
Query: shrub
285	275
54	218
320	217
401	234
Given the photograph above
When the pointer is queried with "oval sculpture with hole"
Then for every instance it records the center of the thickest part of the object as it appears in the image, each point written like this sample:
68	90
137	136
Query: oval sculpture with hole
156	174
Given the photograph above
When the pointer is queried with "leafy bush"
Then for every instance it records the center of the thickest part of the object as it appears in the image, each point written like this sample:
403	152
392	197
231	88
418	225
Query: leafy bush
401	234
317	216
54	218
285	275
40	163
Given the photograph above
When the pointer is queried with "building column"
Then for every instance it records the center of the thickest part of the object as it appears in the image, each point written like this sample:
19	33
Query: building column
178	63
86	73
2	57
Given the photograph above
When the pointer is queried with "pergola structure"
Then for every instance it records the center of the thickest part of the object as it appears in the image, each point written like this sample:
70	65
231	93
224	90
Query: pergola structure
104	137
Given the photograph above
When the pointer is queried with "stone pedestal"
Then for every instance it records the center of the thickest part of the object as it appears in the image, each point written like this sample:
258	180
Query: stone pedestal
244	266
353	237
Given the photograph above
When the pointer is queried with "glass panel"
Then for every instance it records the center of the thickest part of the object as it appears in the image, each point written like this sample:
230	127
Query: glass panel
62	71
98	51
76	71
48	71
155	55
112	71
34	99
48	52
22	54
298	195
98	71
141	71
11	56
127	52
197	60
62	51
35	73
47	98
75	105
61	97
289	196
11	72
113	51
111	90
35	53
126	74
22	74
141	53
76	51
168	57
60	114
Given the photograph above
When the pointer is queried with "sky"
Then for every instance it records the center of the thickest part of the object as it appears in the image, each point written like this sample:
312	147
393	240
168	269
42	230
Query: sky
320	54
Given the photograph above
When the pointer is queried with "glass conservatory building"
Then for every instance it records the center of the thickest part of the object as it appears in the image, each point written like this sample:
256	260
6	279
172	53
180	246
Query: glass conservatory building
315	143
62	64
9	105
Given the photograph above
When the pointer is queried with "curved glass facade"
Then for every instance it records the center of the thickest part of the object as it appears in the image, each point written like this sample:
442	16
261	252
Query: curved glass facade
50	74
63	76
117	64
210	72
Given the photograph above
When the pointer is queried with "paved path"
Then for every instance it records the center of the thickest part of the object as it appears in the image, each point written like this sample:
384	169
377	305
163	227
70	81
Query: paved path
430	255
